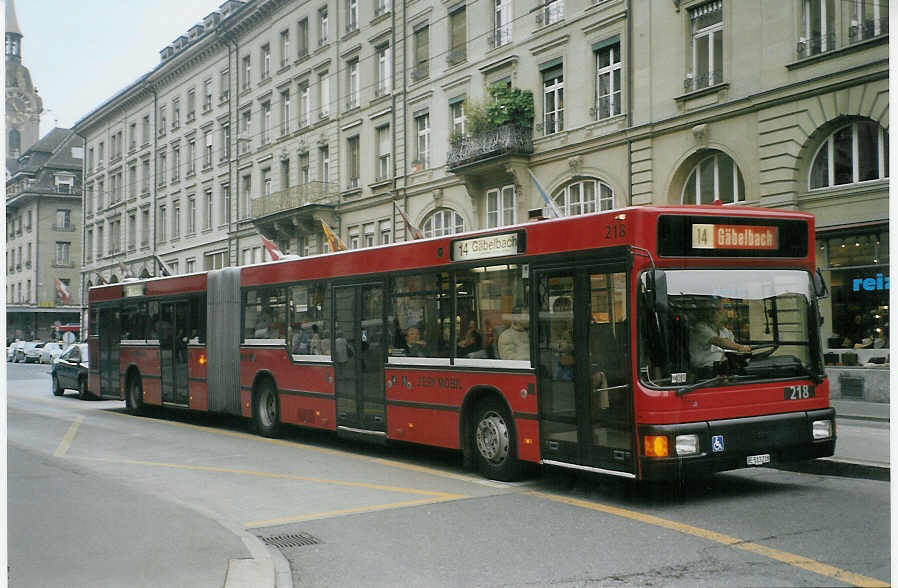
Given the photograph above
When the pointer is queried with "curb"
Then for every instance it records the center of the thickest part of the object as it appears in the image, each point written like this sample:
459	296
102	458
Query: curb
835	467
875	419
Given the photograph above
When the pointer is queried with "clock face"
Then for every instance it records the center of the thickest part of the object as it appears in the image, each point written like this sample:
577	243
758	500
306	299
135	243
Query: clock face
19	106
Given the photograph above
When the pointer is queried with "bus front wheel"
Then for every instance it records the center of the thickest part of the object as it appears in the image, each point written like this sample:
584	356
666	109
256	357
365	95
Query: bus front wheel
134	399
494	441
266	409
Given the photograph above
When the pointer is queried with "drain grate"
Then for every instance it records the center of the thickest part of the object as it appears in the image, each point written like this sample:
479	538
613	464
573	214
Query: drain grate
291	540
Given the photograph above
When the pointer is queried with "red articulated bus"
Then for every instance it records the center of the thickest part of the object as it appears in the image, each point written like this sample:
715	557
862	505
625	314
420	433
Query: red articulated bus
648	342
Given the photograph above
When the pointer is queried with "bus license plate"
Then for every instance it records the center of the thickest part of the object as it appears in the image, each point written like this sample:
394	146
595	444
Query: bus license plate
756	460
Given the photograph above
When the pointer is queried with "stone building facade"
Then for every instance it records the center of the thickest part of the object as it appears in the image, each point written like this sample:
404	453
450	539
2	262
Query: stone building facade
272	116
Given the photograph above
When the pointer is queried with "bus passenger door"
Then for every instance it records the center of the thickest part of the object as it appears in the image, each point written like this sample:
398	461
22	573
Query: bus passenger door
358	354
173	351
583	369
110	333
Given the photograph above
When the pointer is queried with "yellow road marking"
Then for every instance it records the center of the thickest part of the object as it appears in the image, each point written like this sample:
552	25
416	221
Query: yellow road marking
782	556
69	437
274	475
344	511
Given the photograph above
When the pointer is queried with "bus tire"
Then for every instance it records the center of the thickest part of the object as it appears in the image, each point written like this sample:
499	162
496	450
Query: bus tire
134	398
494	441
83	394
57	389
266	409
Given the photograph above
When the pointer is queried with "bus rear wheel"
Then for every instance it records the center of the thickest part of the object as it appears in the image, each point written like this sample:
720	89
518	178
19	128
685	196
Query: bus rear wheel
134	398
266	409
494	442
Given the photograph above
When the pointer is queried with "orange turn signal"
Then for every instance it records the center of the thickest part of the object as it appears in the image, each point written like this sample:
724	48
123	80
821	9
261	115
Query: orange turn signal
656	446
202	359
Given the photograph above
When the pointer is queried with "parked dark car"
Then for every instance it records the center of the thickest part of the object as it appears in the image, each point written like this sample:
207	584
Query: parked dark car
69	372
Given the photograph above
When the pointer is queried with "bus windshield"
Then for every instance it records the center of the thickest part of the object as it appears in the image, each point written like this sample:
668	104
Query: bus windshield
719	327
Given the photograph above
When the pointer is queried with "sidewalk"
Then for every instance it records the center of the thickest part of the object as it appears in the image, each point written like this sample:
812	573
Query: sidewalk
862	445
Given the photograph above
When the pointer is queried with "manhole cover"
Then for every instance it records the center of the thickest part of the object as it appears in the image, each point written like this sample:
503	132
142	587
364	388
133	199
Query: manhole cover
291	540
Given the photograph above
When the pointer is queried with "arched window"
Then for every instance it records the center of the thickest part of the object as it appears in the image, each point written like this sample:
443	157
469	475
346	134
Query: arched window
583	197
14	141
856	152
443	221
715	177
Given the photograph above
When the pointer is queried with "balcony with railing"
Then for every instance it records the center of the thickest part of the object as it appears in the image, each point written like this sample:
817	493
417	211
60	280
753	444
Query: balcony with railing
500	142
296	198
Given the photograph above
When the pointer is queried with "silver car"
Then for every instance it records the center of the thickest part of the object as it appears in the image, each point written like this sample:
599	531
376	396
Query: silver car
50	351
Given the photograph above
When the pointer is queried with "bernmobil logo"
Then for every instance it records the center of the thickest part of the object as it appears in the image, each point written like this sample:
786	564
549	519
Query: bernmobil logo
880	282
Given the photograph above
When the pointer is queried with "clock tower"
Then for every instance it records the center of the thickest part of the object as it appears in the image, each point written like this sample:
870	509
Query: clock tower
23	105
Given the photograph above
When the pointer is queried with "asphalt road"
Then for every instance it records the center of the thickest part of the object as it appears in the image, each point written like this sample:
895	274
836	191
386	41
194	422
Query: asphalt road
99	497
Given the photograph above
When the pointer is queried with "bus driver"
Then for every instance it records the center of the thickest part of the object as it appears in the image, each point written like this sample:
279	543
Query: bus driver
710	339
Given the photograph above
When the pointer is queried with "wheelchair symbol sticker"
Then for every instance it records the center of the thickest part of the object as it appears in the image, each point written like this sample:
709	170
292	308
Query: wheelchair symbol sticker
717	443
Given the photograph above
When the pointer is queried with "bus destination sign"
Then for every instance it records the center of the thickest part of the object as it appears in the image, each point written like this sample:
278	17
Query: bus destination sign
735	237
491	246
133	290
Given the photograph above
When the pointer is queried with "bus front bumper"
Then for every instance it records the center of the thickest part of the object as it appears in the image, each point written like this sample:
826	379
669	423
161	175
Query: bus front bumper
738	443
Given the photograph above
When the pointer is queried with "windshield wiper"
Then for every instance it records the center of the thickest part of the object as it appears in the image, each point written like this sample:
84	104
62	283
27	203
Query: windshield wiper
703	384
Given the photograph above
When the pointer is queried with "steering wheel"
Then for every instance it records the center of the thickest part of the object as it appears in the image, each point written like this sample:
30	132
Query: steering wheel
764	350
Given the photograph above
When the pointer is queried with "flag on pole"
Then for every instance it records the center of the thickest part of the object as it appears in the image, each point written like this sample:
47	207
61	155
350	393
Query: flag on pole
126	272
163	267
100	279
415	231
272	249
63	291
553	208
332	239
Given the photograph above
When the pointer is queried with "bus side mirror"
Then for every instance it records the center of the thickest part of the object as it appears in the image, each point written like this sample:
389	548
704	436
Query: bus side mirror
820	289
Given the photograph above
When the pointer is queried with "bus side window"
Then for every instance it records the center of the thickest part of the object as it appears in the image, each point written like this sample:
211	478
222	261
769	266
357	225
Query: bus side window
152	321
419	321
266	314
493	313
198	319
309	326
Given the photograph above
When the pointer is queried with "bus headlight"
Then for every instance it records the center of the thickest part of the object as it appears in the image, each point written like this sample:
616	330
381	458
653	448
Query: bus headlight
687	444
822	429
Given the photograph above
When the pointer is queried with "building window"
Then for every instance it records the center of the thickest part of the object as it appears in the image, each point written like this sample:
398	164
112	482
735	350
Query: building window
266	61
285	48
213	261
352	171
500	206
89	245
191	157
63	253
207	95
145	227
384	147
247	71
352	82
421	42
501	23
385	228
553	100
175	163
304	175
458	36
368	235
191	266
302	41
707	45
207	150
608	82
323	95
176	220
191	105
191	215
224	86
305	105
266	123
285	113
132	231
64	219
457	116
716	177
225	209
868	19
226	141
818	30
207	207
384	82
266	181
857	152
322	26
552	11
584	197
354	237
324	163
422	153
443	221
352	15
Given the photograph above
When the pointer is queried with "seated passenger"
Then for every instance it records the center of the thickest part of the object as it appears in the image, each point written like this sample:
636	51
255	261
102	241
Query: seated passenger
300	343
471	341
414	344
262	328
514	342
